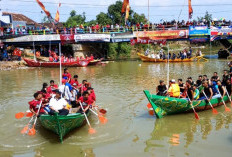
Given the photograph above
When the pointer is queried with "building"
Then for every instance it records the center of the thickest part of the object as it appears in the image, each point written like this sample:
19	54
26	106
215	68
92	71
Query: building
19	20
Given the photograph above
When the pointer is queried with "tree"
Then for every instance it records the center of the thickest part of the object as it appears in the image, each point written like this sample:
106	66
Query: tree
73	13
114	12
103	19
138	18
207	17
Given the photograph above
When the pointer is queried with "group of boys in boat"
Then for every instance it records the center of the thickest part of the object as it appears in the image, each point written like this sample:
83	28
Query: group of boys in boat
181	55
71	94
203	88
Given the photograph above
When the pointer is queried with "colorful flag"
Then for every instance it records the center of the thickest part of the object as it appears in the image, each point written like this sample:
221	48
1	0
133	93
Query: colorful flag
57	18
127	12
44	9
124	6
190	9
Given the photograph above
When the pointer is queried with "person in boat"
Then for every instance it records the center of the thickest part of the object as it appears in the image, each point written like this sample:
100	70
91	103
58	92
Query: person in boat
58	104
199	81
207	90
173	56
161	89
181	85
230	72
67	75
91	57
146	53
153	55
191	80
221	89
205	78
225	77
174	89
35	104
216	77
189	89
196	92
228	86
164	56
65	90
169	55
92	96
85	101
73	98
214	86
74	82
52	88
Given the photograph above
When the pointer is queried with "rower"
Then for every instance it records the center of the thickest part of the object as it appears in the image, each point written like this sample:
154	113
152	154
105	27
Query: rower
174	89
74	82
225	77
216	77
161	89
221	89
190	92
228	86
191	80
181	85
65	90
66	75
207	90
85	101
199	81
35	104
196	92
52	88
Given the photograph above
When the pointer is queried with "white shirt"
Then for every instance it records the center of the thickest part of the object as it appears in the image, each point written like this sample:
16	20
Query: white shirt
73	95
65	89
57	104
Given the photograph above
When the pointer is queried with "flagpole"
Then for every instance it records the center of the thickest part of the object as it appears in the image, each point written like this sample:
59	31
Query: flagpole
168	64
60	64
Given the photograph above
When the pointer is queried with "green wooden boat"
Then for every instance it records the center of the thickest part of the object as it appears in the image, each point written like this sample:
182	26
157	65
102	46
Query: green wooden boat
164	105
62	125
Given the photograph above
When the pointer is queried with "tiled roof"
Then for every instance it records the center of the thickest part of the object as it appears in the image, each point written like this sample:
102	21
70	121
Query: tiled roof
21	17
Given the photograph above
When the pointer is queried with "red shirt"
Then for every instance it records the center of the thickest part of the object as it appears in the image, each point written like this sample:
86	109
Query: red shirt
68	75
85	103
93	96
51	89
74	83
34	104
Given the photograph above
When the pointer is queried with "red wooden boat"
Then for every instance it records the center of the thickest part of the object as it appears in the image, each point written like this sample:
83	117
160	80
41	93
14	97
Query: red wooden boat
32	63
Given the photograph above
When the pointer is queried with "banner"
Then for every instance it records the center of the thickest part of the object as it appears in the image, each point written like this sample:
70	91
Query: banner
162	35
220	31
67	39
198	31
92	37
57	18
147	41
124	6
196	39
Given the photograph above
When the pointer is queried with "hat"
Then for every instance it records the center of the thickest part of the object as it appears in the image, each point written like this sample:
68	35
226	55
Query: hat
173	80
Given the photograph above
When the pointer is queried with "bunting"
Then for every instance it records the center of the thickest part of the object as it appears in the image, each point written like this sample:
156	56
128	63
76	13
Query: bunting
190	9
57	18
44	9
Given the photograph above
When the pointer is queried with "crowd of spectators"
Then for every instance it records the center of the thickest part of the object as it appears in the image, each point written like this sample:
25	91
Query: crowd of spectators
110	28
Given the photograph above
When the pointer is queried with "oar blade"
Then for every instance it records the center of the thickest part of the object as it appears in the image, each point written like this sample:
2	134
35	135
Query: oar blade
102	119
92	131
103	111
32	131
19	115
196	116
227	109
215	111
29	114
24	130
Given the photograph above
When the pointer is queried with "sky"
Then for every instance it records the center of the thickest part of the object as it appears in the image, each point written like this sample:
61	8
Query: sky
159	9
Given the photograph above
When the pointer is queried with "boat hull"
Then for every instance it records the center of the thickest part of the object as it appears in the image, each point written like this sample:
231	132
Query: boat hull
62	125
164	105
32	63
148	59
95	62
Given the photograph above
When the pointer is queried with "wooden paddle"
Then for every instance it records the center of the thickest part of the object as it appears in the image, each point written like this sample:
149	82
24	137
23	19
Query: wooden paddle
196	115
228	96
227	109
32	131
25	129
214	110
91	130
22	114
101	118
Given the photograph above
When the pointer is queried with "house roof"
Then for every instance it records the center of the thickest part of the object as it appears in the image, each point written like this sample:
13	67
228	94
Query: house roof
50	25
21	17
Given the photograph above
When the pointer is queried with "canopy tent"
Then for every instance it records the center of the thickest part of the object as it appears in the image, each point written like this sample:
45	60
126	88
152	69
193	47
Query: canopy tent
3	24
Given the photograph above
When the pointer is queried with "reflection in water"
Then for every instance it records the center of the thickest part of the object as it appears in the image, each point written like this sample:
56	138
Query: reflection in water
178	131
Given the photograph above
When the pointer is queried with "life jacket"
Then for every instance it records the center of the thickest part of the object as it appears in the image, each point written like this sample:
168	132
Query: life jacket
174	90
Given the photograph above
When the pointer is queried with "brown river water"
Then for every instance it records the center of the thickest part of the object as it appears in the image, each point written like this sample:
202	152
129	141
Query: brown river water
130	130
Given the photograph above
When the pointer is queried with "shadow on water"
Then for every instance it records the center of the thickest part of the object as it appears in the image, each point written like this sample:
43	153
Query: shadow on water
183	129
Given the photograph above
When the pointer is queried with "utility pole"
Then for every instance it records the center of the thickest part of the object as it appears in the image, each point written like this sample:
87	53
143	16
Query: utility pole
148	13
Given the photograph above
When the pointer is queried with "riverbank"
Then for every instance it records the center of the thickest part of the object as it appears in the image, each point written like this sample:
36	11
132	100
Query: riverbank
10	65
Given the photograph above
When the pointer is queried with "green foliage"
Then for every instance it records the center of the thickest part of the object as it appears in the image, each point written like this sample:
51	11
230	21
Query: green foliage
137	18
114	12
75	20
119	50
207	17
103	19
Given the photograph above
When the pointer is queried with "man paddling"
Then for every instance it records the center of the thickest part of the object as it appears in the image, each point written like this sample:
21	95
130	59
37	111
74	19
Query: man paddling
207	90
190	92
52	88
34	104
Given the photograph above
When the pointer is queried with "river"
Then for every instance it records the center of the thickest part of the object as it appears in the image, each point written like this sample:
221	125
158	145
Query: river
130	130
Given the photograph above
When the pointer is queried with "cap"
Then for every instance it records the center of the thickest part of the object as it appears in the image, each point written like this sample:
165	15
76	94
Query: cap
173	80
